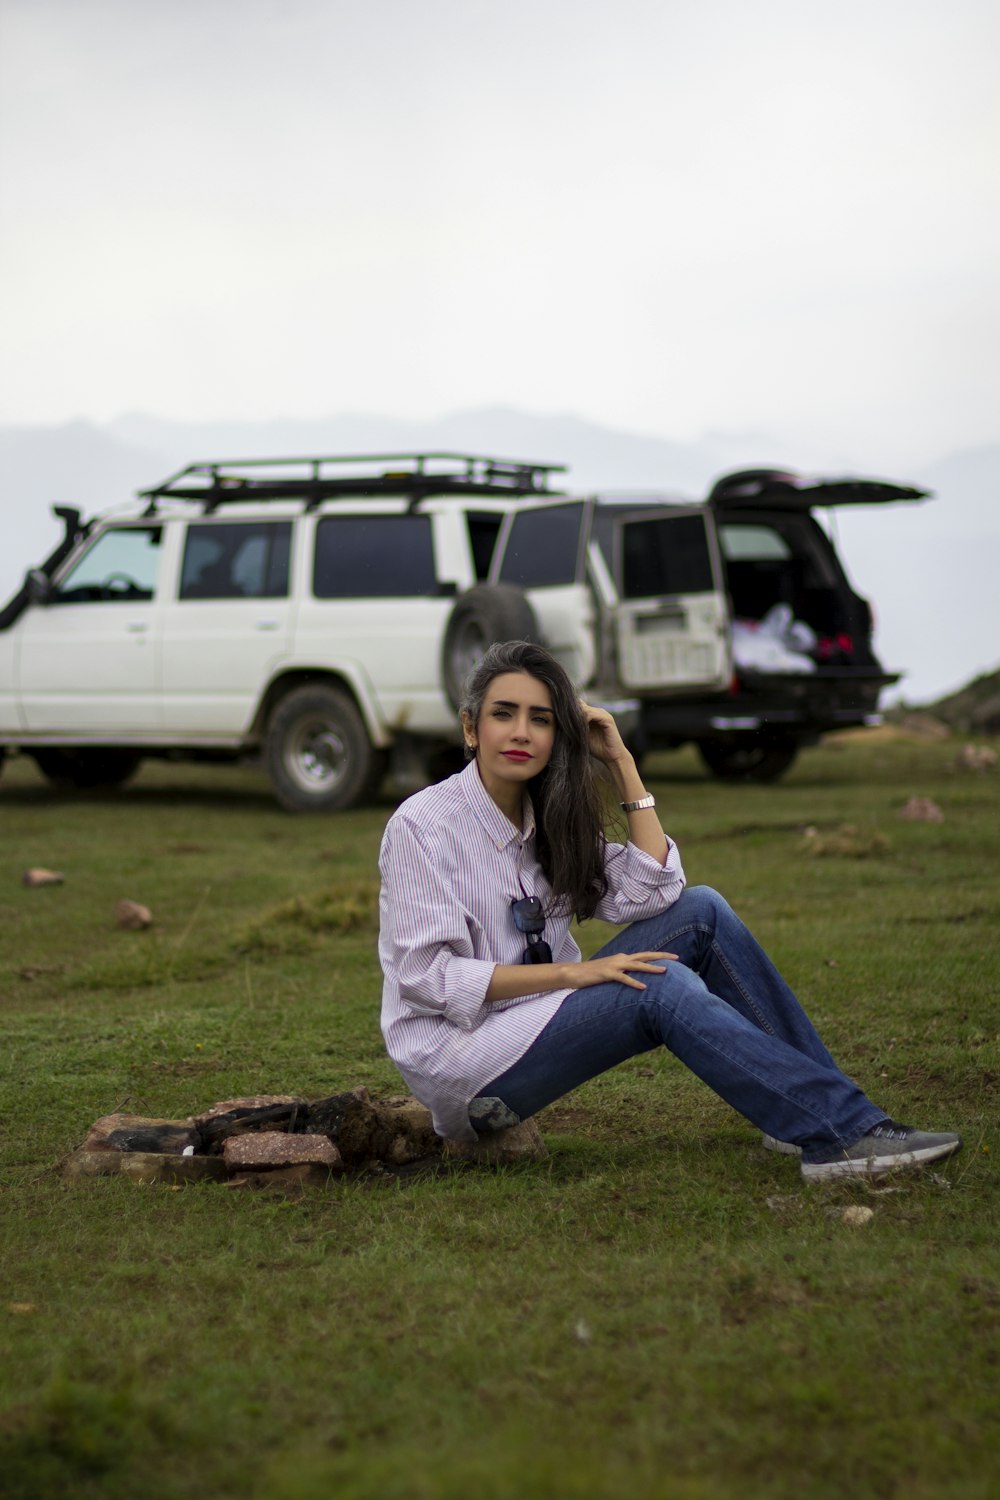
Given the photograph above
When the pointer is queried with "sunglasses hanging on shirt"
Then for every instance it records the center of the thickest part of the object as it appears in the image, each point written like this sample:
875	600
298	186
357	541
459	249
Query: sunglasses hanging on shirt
530	920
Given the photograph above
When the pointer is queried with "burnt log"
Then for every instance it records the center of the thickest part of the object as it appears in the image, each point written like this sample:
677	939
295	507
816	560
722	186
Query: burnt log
350	1120
121	1132
233	1117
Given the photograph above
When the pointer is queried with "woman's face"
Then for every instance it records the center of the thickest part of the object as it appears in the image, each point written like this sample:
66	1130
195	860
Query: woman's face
515	734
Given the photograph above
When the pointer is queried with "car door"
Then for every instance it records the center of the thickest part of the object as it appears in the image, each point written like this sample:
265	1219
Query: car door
85	660
226	631
670	625
374	610
541	551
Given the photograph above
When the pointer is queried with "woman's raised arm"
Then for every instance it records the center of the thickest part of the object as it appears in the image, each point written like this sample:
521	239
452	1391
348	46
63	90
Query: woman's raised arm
606	745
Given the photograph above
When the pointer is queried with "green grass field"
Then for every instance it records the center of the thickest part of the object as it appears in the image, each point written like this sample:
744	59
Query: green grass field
661	1309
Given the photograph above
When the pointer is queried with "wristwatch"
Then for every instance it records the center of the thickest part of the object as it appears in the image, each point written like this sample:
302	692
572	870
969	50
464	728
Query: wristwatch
639	804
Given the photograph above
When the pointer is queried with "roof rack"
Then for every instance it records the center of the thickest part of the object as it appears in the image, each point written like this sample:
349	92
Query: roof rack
414	475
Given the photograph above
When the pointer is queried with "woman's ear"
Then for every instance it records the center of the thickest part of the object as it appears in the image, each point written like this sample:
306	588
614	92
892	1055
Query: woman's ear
469	730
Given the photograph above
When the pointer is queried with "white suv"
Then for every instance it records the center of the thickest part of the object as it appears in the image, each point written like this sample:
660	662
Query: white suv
323	613
294	609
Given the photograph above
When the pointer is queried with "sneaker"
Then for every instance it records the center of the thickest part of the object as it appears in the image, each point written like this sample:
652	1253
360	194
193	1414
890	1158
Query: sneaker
885	1149
783	1148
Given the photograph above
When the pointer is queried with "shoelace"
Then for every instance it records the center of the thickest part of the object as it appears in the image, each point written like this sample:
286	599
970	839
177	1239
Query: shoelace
892	1130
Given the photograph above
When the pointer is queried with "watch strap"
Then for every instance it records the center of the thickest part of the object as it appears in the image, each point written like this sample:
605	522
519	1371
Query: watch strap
639	804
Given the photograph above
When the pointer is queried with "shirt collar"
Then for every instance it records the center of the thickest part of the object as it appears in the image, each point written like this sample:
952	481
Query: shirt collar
497	825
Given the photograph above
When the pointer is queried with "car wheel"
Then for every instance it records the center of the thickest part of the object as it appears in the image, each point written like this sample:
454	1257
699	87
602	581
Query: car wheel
87	770
486	613
318	753
750	762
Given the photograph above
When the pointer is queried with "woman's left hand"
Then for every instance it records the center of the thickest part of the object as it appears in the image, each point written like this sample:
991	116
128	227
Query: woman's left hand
606	743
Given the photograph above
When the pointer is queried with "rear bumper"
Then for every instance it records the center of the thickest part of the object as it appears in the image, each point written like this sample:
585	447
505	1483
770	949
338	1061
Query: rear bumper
783	706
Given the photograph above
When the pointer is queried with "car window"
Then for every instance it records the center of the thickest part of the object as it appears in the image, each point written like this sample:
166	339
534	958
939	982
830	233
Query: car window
543	547
752	543
373	557
122	564
236	560
665	555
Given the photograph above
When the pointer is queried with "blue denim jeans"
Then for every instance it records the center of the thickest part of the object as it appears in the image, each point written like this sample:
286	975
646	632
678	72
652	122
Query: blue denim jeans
722	1008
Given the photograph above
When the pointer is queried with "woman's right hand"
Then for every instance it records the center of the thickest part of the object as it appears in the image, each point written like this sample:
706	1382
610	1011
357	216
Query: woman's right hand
615	968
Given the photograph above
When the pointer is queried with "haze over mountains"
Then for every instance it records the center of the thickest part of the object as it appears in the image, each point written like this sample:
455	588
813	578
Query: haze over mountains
932	569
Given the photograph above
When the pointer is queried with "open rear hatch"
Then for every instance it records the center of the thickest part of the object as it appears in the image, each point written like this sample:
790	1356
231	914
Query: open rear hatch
778	489
800	568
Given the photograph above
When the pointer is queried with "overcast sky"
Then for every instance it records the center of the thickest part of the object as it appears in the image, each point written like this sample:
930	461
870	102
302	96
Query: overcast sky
671	216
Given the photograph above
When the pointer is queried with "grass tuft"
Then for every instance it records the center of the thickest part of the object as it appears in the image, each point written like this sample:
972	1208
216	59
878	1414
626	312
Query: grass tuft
304	923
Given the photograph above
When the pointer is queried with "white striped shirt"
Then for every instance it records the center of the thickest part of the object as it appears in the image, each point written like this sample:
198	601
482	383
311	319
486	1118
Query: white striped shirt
451	864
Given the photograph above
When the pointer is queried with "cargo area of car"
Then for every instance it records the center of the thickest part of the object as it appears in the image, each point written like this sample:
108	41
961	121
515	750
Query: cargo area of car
781	568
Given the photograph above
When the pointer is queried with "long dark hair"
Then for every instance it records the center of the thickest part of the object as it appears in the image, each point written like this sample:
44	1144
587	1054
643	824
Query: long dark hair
569	807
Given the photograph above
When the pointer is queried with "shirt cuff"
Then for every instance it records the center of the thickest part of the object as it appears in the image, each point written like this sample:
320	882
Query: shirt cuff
466	983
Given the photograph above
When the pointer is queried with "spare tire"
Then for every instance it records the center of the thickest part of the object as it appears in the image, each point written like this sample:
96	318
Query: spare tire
486	613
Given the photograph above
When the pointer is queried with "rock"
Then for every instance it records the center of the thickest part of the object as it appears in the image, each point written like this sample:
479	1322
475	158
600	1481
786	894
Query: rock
403	1131
921	810
848	841
520	1143
38	876
257	1112
857	1215
146	1166
975	758
121	1132
143	1166
350	1120
131	915
269	1149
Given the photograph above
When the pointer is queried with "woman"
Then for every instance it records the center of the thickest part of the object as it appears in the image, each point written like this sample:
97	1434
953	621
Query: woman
489	1011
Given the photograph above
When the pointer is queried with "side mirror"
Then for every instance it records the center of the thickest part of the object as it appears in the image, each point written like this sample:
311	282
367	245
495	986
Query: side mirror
38	586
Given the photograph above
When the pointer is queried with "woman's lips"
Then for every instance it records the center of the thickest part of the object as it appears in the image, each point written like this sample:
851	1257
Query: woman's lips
518	755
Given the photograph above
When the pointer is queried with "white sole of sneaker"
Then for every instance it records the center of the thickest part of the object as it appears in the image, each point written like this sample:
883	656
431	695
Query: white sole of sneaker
874	1166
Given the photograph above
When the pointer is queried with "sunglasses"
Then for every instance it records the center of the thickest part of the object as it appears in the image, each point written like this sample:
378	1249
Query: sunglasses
530	919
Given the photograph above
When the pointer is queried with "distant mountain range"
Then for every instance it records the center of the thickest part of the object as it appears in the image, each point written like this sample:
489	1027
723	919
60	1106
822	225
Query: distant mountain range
931	569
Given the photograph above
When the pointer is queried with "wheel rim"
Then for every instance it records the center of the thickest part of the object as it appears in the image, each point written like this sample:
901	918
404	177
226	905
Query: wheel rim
317	756
468	647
